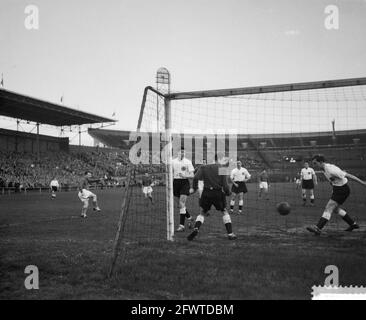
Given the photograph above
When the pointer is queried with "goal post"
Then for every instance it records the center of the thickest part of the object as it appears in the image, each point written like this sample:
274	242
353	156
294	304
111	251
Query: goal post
276	127
169	172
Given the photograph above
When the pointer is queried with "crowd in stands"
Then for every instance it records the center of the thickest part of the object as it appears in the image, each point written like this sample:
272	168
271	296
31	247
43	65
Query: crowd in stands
23	170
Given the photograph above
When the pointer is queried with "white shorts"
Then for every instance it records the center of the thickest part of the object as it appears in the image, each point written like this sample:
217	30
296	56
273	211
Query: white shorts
263	185
85	195
147	190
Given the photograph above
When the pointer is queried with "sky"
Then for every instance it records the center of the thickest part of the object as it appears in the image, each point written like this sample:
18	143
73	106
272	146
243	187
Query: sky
100	55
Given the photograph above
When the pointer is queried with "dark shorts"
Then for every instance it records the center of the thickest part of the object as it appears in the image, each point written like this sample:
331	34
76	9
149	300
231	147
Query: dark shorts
308	184
242	187
214	198
54	188
340	194
181	186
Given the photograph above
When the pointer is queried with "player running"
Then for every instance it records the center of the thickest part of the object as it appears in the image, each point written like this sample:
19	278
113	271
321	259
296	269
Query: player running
263	181
308	181
54	186
239	176
339	181
183	172
147	185
84	194
214	193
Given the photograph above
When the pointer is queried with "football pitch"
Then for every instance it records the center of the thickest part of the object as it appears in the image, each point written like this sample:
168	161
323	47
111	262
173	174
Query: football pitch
273	258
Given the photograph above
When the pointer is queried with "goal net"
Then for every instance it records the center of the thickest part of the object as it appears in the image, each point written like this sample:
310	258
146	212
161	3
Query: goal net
274	128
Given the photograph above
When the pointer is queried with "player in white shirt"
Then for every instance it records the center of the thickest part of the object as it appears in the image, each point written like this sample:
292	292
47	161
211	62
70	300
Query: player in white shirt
85	194
239	176
339	181
308	181
183	172
54	186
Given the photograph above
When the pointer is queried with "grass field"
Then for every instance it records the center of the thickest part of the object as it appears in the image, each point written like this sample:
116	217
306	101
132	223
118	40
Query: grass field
273	257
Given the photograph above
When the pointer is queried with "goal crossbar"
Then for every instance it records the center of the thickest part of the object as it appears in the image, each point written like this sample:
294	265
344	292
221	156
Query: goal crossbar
267	89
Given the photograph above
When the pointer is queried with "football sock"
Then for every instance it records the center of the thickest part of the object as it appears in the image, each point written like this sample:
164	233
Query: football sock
232	204
348	220
197	224
229	228
187	215
182	218
322	222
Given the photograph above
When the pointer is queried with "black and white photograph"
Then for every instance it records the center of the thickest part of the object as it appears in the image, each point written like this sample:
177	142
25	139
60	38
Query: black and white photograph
182	156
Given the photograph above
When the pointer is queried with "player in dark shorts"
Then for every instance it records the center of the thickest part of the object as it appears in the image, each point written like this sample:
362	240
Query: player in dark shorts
308	181
183	172
215	190
341	191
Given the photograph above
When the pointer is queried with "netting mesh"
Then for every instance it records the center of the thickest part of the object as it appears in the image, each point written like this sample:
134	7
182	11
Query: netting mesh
276	131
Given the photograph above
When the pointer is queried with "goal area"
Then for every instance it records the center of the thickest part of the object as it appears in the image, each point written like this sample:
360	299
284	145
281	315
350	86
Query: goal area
276	128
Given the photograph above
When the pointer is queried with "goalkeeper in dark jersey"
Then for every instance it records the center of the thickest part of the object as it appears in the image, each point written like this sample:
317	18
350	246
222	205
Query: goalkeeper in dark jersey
85	194
215	190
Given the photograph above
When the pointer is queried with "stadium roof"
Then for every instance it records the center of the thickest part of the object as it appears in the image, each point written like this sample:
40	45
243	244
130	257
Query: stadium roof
112	138
19	106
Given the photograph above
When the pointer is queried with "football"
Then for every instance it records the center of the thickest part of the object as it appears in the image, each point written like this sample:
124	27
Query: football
283	208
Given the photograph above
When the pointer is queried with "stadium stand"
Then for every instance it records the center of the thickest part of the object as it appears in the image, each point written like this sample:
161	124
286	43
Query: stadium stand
32	160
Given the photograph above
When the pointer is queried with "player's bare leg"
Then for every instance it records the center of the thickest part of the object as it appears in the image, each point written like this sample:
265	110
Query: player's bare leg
149	196
197	225
331	207
227	222
84	209
352	225
241	202
183	213
304	197
312	197
95	203
232	203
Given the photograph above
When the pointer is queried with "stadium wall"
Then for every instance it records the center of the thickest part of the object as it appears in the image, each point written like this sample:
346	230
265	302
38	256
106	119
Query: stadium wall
27	142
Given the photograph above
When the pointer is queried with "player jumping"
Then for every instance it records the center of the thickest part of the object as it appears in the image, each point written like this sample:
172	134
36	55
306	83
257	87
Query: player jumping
183	172
239	176
339	181
214	193
84	194
308	181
